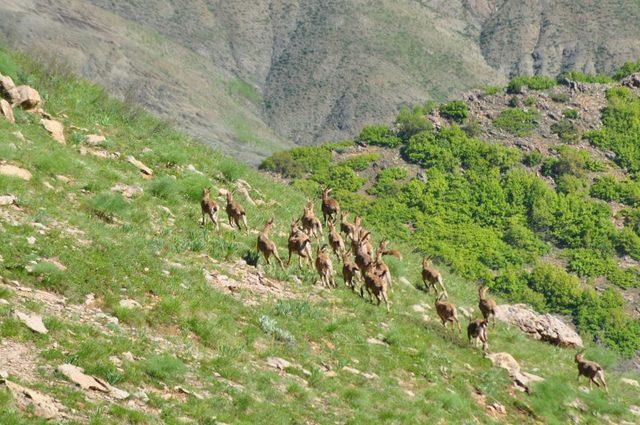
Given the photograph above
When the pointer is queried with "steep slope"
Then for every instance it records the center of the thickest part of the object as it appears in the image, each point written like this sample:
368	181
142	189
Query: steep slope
251	77
134	291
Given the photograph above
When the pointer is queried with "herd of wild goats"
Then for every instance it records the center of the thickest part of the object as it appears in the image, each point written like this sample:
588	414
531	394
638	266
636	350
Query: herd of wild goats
367	266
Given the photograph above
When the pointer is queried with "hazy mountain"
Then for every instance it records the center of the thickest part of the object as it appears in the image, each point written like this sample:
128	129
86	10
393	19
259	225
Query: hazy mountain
256	76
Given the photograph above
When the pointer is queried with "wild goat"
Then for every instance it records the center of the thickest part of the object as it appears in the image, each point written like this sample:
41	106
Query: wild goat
335	241
591	370
345	227
380	265
486	305
310	222
209	207
330	207
447	313
324	266
300	244
235	213
362	251
375	284
349	271
266	245
477	330
431	276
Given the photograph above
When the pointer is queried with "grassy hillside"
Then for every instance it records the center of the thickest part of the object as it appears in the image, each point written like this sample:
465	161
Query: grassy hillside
207	323
253	77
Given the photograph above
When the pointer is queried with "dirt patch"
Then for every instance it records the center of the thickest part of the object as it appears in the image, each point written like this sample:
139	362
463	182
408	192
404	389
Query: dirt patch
19	360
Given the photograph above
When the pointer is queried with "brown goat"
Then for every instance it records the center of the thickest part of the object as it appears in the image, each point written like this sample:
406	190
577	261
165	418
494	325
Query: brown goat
324	266
380	265
209	207
330	207
349	271
335	241
477	330
431	276
310	222
362	251
486	305
591	370
447	313
235	213
266	245
300	244
345	227
375	284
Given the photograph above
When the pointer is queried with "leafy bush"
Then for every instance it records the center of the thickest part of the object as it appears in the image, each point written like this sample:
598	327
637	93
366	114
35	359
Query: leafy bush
456	111
378	135
570	114
560	289
360	162
605	188
566	130
560	97
530	101
283	163
164	367
491	90
472	128
387	182
517	121
411	122
533	158
107	205
536	82
627	69
583	78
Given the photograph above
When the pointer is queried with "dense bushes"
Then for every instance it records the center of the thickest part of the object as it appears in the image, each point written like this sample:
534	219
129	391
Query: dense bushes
583	78
456	111
410	122
518	122
536	82
379	135
627	69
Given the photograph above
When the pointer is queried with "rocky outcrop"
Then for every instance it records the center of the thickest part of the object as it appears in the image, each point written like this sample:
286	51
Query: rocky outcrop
55	129
7	111
25	97
632	81
545	327
14	171
521	380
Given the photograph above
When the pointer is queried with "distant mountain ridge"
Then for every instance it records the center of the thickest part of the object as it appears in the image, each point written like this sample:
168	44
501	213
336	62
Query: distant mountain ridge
255	77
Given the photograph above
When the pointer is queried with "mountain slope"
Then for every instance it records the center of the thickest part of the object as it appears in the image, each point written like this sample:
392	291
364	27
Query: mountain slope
134	291
251	77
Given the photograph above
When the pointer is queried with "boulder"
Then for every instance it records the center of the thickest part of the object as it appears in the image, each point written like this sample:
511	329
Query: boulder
26	399
76	375
6	85
632	81
8	200
522	380
13	171
7	111
278	363
26	97
143	168
545	327
55	129
129	304
94	139
32	321
126	190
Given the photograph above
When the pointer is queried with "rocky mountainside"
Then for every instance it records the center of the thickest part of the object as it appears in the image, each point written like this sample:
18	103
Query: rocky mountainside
119	306
253	77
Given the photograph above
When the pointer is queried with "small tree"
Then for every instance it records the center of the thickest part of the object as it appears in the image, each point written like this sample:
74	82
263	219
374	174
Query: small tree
456	110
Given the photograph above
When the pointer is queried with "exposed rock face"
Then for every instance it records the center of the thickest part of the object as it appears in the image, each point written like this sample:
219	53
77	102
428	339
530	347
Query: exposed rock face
545	327
143	168
25	398
521	380
13	171
55	129
7	111
87	382
32	321
26	97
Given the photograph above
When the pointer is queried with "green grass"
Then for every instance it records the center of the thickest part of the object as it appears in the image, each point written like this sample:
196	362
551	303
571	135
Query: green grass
211	339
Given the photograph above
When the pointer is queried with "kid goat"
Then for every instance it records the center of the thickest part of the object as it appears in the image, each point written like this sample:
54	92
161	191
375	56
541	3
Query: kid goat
431	276
447	313
486	305
266	245
591	370
235	213
209	207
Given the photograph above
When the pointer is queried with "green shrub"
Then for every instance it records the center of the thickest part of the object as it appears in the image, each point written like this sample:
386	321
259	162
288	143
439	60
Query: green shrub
341	177
378	135
411	122
627	69
628	243
517	121
456	111
163	187
491	90
560	289
570	114
536	82
583	78
387	182
283	163
533	158
530	101
566	130
560	97
472	128
107	205
513	102
164	367
605	188
360	162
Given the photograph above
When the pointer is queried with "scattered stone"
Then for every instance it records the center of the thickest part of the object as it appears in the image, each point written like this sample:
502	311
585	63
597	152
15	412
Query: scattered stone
56	129
127	356
126	190
33	322
8	200
635	410
56	263
631	382
26	97
19	136
632	81
404	281
94	139
143	168
115	360
31	240
376	341
278	363
6	84
26	399
4	374
418	308
4	302
187	392
129	304
351	370
222	192
7	111
522	380
466	311
63	179
13	171
76	375
193	169
545	327
141	395
370	375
